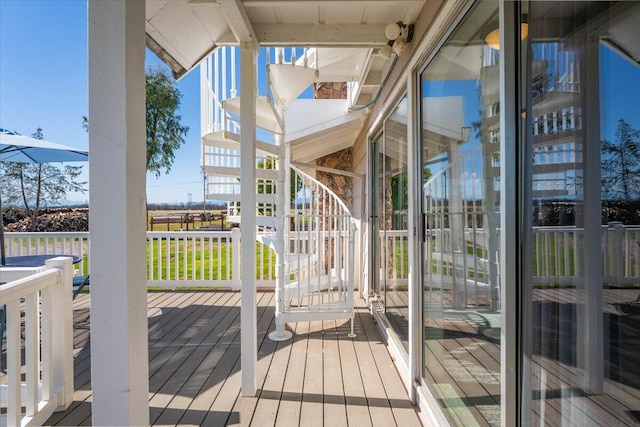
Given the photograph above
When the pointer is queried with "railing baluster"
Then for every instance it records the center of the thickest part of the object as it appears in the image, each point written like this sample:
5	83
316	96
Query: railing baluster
32	352
13	363
47	343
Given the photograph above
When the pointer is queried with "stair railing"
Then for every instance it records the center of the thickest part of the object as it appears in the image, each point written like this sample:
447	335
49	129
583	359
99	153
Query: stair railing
320	257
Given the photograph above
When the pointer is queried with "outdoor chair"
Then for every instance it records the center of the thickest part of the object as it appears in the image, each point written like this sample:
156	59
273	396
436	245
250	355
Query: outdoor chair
79	282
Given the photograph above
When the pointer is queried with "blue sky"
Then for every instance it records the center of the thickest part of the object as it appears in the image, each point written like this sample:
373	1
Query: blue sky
43	83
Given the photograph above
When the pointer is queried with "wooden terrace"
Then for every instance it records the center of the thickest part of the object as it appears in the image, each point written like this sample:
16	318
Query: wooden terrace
320	377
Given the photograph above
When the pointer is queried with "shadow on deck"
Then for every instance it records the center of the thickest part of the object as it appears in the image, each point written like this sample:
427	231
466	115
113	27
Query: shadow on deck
320	377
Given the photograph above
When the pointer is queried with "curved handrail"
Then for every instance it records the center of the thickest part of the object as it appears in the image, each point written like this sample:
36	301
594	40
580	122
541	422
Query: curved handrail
333	195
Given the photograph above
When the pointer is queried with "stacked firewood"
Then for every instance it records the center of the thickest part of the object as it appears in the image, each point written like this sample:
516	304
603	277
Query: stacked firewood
60	220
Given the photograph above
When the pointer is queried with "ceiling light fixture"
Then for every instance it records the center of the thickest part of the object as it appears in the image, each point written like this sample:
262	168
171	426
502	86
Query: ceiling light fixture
493	38
398	34
392	31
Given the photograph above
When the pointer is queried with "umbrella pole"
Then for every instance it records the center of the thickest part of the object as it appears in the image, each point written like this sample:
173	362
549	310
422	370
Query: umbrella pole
2	254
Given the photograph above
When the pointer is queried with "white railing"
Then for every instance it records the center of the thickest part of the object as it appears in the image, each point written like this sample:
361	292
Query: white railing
218	81
174	259
210	256
42	297
193	259
320	258
60	243
461	232
557	254
396	267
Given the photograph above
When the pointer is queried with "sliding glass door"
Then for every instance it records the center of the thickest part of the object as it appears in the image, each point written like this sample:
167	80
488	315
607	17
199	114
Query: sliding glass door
581	299
460	148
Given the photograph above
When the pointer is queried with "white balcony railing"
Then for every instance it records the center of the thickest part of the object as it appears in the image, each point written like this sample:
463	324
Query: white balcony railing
174	259
61	243
41	297
210	256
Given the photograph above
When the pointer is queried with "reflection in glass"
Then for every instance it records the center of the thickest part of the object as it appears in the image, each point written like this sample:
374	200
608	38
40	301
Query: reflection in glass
393	232
582	298
461	168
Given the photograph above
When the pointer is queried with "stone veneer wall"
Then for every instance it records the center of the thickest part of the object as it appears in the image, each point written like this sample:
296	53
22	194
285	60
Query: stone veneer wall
342	160
339	184
330	90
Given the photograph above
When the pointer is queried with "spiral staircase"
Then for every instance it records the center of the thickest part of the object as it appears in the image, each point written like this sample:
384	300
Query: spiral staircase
307	226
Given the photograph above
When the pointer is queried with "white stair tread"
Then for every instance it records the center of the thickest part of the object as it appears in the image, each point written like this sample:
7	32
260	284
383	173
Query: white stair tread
235	197
264	221
231	141
270	174
313	284
266	117
289	81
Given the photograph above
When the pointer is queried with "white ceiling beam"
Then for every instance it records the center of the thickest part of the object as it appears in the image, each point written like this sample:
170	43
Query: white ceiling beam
326	169
318	35
238	20
269	3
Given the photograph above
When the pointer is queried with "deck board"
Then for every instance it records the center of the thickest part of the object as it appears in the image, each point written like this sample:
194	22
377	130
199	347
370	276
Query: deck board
322	377
318	378
291	400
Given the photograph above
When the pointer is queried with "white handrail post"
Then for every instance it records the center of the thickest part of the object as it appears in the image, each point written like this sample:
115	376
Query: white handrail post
352	227
62	327
616	251
236	283
14	403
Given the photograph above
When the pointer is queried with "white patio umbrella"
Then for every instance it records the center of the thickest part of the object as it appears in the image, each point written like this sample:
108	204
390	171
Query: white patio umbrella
18	148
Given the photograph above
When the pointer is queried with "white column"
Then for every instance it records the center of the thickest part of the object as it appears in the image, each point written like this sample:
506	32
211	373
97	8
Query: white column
117	176
248	316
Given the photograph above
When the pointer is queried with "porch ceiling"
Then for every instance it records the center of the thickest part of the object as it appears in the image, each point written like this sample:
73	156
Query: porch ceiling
183	32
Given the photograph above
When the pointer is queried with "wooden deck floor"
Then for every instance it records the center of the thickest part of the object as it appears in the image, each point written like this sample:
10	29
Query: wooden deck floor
320	377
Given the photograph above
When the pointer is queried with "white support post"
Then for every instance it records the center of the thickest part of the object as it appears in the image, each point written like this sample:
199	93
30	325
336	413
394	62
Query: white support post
282	189
119	335
282	209
62	330
249	338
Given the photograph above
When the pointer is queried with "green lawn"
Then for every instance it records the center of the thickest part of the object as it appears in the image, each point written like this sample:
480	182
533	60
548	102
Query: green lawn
216	265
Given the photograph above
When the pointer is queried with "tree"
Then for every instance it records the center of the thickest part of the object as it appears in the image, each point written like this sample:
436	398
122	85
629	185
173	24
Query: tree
621	164
35	184
165	134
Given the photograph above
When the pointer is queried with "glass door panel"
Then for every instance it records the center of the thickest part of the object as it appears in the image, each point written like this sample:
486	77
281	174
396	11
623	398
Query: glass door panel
581	307
460	115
